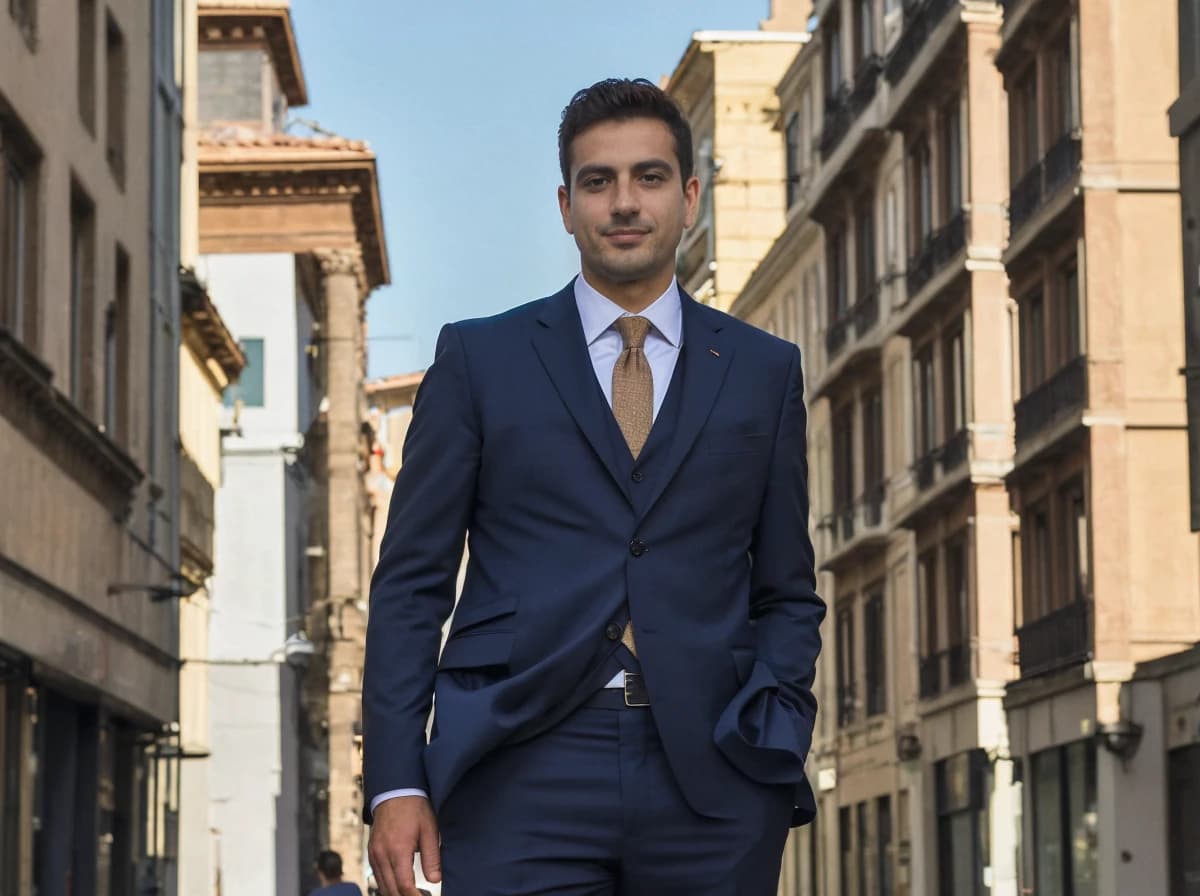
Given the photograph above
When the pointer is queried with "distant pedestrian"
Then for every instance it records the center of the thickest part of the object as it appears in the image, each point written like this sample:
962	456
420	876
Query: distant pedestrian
329	873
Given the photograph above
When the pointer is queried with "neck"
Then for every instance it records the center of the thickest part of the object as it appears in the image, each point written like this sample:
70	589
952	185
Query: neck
633	296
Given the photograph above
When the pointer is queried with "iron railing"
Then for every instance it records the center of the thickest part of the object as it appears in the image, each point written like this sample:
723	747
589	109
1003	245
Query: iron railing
1064	392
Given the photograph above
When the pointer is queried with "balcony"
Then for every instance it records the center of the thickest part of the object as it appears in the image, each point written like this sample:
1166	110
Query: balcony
924	18
940	247
835	336
1042	182
872	504
866	312
946	669
923	470
1061	638
853	528
954	452
1062	394
847	704
847	104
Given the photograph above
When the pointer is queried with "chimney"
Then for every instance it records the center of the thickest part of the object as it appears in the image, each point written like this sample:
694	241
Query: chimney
788	15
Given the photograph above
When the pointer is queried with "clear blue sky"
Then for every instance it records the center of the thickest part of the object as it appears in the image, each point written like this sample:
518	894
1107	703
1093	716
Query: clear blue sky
460	102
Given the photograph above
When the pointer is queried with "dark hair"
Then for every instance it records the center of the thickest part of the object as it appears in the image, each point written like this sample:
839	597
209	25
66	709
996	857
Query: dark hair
329	863
620	99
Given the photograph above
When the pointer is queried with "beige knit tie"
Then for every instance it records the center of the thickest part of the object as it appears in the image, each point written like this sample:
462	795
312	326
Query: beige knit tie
633	400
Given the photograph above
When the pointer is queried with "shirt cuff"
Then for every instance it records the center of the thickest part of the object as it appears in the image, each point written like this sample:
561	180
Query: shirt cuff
391	794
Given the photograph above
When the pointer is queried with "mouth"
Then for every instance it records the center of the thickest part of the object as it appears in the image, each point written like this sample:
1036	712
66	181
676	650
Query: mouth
626	236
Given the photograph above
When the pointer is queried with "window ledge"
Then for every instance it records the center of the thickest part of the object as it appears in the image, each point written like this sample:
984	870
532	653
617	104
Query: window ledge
60	430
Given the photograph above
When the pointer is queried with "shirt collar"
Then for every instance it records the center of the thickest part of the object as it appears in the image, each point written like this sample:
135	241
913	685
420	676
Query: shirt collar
598	312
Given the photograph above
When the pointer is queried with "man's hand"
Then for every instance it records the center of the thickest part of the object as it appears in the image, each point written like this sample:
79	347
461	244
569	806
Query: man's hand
402	826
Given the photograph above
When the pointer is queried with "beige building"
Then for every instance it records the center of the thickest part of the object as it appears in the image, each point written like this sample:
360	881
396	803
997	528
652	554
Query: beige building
90	565
725	84
970	230
1108	566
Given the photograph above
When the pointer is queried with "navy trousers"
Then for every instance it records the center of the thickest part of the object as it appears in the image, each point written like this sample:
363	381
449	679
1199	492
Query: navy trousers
591	808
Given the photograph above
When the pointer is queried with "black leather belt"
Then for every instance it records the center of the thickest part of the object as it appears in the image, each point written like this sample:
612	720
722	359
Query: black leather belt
632	695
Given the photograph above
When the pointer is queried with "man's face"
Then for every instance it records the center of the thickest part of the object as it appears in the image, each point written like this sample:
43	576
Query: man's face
627	207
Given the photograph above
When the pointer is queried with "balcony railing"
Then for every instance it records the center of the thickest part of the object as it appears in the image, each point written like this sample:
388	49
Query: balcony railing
1061	638
939	248
847	704
872	505
954	452
918	26
849	102
923	469
835	336
1063	393
1039	185
843	521
866	312
944	669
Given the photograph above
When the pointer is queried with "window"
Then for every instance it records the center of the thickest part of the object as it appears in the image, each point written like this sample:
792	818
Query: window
962	784
846	850
925	402
1189	44
115	84
956	382
85	63
792	149
864	846
928	604
832	45
16	237
1064	820
1075	537
952	198
1033	342
1071	325
922	178
883	845
808	127
846	683
875	646
1039	599
81	298
249	389
958	620
116	351
12	762
24	13
1060	113
839	289
1023	124
864	239
872	417
890	248
843	459
864	32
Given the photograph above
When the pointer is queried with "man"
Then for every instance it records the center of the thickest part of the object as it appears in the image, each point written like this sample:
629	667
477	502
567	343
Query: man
623	704
329	873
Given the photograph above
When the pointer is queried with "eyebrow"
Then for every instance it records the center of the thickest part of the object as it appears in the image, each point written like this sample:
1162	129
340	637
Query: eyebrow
607	171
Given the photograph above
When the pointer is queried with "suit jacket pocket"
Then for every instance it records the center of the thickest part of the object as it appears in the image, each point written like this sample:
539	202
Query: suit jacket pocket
471	616
734	443
477	650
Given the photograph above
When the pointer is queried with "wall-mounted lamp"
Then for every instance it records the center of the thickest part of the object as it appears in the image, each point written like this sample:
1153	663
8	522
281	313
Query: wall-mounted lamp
908	746
297	652
1121	738
158	592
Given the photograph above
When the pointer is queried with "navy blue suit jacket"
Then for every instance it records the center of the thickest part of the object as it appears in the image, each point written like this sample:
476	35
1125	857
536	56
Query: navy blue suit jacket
509	442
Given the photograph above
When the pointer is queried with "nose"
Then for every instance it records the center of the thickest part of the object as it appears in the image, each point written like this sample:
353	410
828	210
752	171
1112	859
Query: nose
625	201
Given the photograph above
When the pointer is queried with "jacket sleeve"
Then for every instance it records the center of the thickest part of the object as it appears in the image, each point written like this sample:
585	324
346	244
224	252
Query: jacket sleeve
766	731
413	587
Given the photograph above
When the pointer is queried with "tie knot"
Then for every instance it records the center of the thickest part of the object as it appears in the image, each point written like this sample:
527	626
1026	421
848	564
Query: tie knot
633	330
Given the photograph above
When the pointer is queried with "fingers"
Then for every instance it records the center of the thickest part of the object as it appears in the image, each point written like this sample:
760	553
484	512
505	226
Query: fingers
393	865
431	851
381	864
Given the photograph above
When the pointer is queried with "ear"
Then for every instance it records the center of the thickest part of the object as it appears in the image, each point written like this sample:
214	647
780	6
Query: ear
564	206
691	200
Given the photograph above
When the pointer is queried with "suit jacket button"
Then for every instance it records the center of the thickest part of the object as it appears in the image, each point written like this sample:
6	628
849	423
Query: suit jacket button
638	475
613	632
637	547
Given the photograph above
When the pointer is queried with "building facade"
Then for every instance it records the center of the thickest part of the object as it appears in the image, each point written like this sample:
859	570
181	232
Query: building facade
290	245
1106	562
90	564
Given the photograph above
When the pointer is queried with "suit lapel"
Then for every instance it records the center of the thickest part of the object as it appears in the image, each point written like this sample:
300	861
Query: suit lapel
563	351
705	358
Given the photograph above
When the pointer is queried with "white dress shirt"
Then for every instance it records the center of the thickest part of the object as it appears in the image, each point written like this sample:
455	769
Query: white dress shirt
599	314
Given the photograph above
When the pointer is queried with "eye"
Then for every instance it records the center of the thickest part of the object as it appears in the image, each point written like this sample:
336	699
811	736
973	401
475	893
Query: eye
653	178
595	183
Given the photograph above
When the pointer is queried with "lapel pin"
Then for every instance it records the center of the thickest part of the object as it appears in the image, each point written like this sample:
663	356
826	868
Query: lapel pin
715	353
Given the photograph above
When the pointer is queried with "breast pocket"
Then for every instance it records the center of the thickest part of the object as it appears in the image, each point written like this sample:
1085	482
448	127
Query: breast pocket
735	443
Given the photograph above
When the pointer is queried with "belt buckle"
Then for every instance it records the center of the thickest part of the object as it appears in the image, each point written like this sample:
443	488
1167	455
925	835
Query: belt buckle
635	690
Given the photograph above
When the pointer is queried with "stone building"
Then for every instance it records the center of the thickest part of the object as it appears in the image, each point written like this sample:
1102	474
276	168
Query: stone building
90	561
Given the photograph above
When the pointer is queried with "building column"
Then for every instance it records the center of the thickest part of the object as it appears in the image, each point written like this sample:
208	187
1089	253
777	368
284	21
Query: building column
345	635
